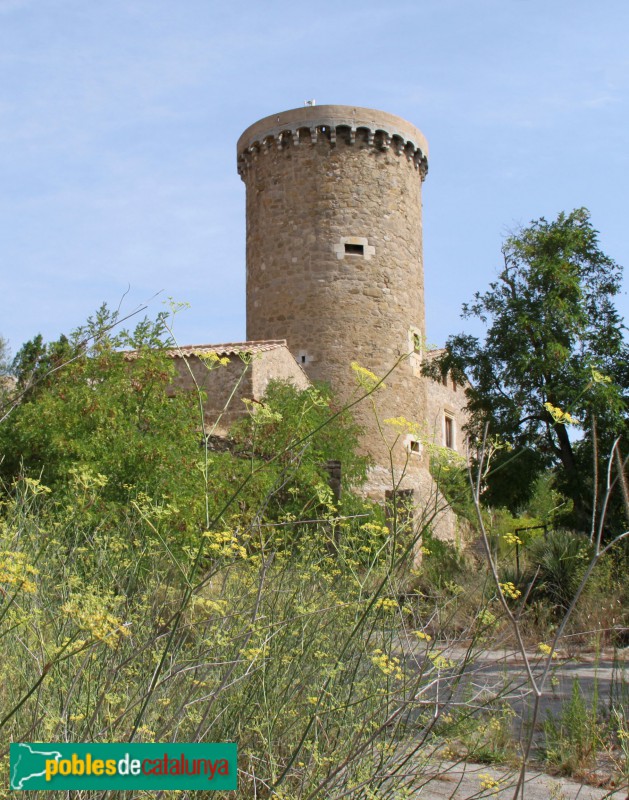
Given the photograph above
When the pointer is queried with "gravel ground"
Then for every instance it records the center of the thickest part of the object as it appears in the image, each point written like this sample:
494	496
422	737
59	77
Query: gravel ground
606	673
464	782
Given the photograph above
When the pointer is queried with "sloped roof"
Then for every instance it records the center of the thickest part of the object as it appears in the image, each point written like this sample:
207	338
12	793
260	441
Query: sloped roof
227	348
224	349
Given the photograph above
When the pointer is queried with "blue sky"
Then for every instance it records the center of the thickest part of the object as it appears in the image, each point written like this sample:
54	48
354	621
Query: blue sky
119	122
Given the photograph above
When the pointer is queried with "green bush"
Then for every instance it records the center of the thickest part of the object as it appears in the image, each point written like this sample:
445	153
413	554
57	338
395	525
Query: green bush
559	561
304	657
104	414
574	737
283	446
100	411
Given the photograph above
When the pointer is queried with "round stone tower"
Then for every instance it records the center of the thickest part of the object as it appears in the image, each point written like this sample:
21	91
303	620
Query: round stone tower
334	261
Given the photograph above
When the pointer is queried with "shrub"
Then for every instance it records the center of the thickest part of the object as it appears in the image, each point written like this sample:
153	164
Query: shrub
573	739
561	559
104	414
310	661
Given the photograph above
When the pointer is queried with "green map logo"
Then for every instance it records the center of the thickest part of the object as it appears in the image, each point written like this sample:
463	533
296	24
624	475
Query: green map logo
56	766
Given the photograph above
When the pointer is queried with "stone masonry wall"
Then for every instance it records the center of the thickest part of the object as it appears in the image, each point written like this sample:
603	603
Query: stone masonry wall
446	400
226	386
217	384
277	364
318	180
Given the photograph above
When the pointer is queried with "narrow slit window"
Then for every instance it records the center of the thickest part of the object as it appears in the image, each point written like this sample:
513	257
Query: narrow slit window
354	249
449	432
303	359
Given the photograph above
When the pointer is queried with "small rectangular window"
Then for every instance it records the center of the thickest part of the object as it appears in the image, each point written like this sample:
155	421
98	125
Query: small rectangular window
355	249
414	446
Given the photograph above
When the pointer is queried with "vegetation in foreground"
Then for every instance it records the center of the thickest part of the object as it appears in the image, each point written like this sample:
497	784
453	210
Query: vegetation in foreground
152	589
334	678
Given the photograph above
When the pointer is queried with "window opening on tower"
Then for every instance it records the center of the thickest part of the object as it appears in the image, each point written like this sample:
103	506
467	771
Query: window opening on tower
448	431
349	246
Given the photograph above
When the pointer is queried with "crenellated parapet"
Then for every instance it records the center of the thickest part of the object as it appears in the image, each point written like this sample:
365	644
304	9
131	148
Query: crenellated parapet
333	125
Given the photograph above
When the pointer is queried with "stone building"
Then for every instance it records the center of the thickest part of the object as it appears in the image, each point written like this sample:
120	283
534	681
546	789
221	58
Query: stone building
245	374
335	272
445	411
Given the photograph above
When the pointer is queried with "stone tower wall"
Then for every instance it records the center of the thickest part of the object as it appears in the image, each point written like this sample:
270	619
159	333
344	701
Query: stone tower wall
334	257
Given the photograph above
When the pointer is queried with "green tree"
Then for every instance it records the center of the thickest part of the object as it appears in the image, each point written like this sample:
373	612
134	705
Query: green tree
297	433
4	357
6	379
553	355
88	406
37	361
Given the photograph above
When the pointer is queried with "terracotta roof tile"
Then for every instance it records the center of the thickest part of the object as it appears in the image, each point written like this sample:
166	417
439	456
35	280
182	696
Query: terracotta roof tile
228	348
224	349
